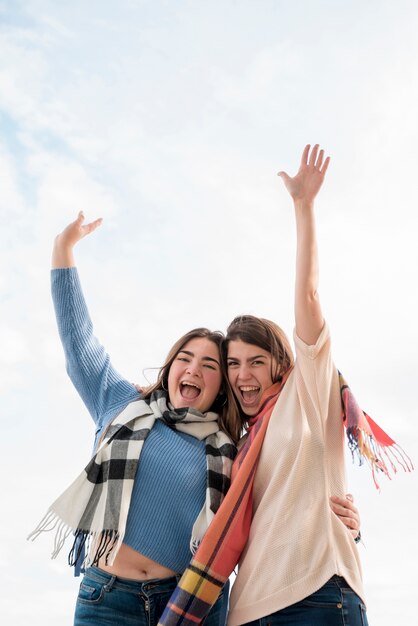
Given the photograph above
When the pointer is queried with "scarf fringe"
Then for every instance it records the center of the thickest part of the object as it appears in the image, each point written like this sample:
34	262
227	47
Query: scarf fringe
377	456
51	521
47	523
104	544
95	545
194	545
79	547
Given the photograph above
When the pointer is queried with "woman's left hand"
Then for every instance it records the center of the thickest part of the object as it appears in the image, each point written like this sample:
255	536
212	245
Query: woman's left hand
344	509
305	185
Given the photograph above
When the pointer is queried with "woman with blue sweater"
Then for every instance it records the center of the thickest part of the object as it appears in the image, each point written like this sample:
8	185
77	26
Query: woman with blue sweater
161	465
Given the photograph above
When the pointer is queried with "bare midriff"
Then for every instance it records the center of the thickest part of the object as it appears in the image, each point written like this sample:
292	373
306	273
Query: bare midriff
131	564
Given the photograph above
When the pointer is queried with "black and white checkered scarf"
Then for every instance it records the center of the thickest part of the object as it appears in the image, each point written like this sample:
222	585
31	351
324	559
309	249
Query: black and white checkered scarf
95	506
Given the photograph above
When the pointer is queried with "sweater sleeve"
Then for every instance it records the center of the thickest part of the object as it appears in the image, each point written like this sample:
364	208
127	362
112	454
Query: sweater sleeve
315	371
103	390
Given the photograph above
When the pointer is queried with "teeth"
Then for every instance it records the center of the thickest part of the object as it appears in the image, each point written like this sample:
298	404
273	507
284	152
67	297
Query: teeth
190	385
249	388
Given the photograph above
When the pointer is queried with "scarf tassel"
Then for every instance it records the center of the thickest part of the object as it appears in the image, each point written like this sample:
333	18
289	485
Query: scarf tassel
367	449
95	545
51	521
105	543
79	548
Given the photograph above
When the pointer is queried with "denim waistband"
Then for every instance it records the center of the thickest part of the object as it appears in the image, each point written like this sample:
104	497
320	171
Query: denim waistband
157	585
339	581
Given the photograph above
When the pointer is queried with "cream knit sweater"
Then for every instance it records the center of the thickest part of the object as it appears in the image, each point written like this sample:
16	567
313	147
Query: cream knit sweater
296	542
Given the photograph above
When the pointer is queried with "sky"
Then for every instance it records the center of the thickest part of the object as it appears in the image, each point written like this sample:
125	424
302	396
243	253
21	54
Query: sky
170	120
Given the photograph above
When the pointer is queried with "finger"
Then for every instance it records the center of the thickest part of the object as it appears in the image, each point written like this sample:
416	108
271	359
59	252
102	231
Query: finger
349	522
304	159
319	159
343	502
80	217
314	154
325	166
342	510
284	176
349	496
89	228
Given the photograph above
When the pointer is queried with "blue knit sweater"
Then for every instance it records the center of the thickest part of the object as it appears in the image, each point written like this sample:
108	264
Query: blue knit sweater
170	485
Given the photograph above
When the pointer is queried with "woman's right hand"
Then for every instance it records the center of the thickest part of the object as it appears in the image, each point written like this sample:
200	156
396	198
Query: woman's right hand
62	255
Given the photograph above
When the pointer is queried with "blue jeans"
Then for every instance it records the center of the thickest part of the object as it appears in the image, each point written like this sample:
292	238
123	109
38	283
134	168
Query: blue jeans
104	600
335	604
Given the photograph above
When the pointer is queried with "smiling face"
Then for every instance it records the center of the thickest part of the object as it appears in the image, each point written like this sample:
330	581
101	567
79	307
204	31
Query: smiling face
195	377
250	373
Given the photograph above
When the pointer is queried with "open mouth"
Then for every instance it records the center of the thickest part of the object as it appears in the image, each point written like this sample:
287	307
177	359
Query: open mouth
249	394
189	391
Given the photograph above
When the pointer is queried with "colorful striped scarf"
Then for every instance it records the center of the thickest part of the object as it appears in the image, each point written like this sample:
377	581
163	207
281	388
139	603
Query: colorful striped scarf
225	539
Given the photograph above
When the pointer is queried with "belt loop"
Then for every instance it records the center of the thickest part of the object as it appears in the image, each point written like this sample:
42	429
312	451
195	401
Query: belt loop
108	586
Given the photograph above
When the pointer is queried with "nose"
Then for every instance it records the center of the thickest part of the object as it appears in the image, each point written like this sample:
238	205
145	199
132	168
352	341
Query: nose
243	372
193	368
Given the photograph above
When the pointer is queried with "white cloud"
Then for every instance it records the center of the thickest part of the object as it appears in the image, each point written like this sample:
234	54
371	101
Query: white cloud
13	346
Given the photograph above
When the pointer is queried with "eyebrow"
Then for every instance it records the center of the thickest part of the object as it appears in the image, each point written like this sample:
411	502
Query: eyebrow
204	358
251	358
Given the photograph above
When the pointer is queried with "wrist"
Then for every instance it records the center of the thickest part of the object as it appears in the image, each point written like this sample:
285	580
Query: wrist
62	241
302	204
62	253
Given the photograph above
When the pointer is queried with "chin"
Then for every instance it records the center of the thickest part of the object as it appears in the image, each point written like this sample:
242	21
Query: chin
249	412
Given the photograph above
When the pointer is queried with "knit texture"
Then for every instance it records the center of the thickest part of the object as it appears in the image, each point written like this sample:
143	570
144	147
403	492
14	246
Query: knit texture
178	465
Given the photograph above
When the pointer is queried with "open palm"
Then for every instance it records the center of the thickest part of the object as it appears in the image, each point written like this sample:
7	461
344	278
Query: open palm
307	182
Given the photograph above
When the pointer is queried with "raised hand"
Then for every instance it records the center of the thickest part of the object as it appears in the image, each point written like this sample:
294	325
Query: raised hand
77	230
305	185
62	255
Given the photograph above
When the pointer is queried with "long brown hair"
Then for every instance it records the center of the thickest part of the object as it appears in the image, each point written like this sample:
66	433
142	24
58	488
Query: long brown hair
225	404
265	334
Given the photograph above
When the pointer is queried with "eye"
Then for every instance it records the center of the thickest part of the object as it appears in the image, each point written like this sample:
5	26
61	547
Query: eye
257	362
183	358
232	363
208	366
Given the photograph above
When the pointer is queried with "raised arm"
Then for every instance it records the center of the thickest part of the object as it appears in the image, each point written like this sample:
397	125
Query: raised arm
104	391
303	188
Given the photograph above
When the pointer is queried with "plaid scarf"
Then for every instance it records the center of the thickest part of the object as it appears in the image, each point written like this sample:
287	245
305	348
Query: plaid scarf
225	539
95	506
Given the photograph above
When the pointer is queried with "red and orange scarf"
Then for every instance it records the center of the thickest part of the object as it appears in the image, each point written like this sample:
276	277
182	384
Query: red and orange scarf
225	539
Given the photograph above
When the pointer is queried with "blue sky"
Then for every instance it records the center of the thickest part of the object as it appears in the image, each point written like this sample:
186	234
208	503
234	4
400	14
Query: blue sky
170	120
